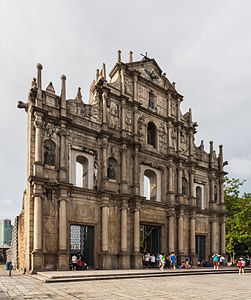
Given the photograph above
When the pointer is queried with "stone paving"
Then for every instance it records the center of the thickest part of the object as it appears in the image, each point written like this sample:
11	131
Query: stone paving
217	286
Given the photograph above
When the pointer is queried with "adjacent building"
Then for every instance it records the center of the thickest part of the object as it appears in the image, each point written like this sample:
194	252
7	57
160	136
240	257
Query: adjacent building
118	176
5	232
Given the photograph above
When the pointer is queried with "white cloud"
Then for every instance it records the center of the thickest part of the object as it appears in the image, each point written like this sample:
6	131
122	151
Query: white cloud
6	202
240	166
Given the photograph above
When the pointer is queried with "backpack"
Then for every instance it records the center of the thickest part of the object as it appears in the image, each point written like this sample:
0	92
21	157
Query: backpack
239	264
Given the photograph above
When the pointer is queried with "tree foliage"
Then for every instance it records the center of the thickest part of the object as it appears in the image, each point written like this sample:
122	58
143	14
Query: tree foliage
238	221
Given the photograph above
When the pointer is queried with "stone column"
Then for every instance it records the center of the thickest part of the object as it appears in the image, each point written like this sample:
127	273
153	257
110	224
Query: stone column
178	139
180	236
135	87
171	183
212	188
169	99
104	108
37	253
179	179
214	233
124	229
171	221
169	135
62	172
136	231
193	254
135	121
62	225
105	228
223	237
123	169
37	223
221	191
178	110
136	170
123	115
122	76
38	142
104	159
191	187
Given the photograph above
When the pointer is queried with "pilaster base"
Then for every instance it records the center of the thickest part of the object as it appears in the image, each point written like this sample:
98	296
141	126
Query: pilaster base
124	260
37	261
194	259
180	258
62	175
137	261
38	169
63	262
105	261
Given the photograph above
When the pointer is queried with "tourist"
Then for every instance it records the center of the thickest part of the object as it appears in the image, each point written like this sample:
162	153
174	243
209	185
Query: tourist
216	261
160	256
187	261
147	260
157	260
153	260
241	265
168	262
173	260
222	260
162	262
74	261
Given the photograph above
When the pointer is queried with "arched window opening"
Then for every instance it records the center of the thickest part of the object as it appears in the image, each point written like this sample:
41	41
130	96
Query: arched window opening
151	134
198	196
82	172
215	194
112	168
147	192
184	187
150	185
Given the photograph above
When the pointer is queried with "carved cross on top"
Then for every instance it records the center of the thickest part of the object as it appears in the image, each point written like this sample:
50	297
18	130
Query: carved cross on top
145	56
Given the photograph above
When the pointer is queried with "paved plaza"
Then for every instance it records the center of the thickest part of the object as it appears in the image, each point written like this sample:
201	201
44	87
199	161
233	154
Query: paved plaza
217	286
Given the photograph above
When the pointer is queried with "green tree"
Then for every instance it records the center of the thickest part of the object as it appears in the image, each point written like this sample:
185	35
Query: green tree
238	221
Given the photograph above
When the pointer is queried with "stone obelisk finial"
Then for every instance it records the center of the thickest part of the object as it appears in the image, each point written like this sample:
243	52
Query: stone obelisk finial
119	57
104	71
130	57
39	76
63	95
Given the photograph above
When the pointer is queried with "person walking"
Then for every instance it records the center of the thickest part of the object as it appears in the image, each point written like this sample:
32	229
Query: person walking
153	260
147	260
173	260
187	261
163	262
241	264
216	261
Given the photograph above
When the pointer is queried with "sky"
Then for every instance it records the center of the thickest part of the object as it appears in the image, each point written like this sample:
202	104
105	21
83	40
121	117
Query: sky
204	46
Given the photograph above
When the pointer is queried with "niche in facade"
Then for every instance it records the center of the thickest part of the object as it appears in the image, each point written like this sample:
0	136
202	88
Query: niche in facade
112	168
184	187
198	197
151	100
49	152
150	183
151	134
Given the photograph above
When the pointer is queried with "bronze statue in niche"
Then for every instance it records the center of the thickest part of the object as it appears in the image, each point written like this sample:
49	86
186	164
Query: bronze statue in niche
49	158
110	172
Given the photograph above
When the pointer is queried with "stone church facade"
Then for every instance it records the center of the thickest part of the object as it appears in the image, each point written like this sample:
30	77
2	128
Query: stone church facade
118	176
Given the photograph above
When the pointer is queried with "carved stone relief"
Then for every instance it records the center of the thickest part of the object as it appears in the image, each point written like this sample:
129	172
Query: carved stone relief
173	108
141	94
128	86
141	125
174	138
162	138
128	121
113	120
184	141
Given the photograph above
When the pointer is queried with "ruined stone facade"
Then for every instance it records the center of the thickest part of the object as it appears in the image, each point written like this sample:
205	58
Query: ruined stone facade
130	136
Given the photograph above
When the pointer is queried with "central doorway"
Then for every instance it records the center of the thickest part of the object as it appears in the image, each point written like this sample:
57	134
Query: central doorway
201	247
149	239
82	241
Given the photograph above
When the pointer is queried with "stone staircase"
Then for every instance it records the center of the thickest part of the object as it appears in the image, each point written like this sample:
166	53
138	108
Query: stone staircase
68	276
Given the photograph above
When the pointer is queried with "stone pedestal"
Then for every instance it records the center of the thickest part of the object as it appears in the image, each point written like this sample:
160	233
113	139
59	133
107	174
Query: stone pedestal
124	260
105	261
194	259
137	260
37	261
63	261
180	258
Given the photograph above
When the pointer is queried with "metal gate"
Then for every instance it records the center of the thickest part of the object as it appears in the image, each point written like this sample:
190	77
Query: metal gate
82	241
200	247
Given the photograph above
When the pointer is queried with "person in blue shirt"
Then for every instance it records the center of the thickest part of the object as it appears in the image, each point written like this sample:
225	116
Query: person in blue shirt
216	261
173	260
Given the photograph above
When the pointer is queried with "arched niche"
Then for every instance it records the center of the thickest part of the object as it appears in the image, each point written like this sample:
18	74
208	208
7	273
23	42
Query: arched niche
49	153
112	168
151	134
184	186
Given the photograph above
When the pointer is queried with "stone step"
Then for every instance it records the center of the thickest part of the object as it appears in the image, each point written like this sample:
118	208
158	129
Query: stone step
46	278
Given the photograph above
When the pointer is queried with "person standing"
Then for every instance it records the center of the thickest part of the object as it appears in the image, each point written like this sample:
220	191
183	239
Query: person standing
216	261
153	259
163	262
147	260
241	265
187	261
173	260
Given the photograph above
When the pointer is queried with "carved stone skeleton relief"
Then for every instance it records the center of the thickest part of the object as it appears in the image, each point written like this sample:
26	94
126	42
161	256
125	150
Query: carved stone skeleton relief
113	121
141	129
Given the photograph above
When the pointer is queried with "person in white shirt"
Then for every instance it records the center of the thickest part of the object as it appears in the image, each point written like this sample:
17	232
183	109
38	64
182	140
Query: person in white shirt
153	260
